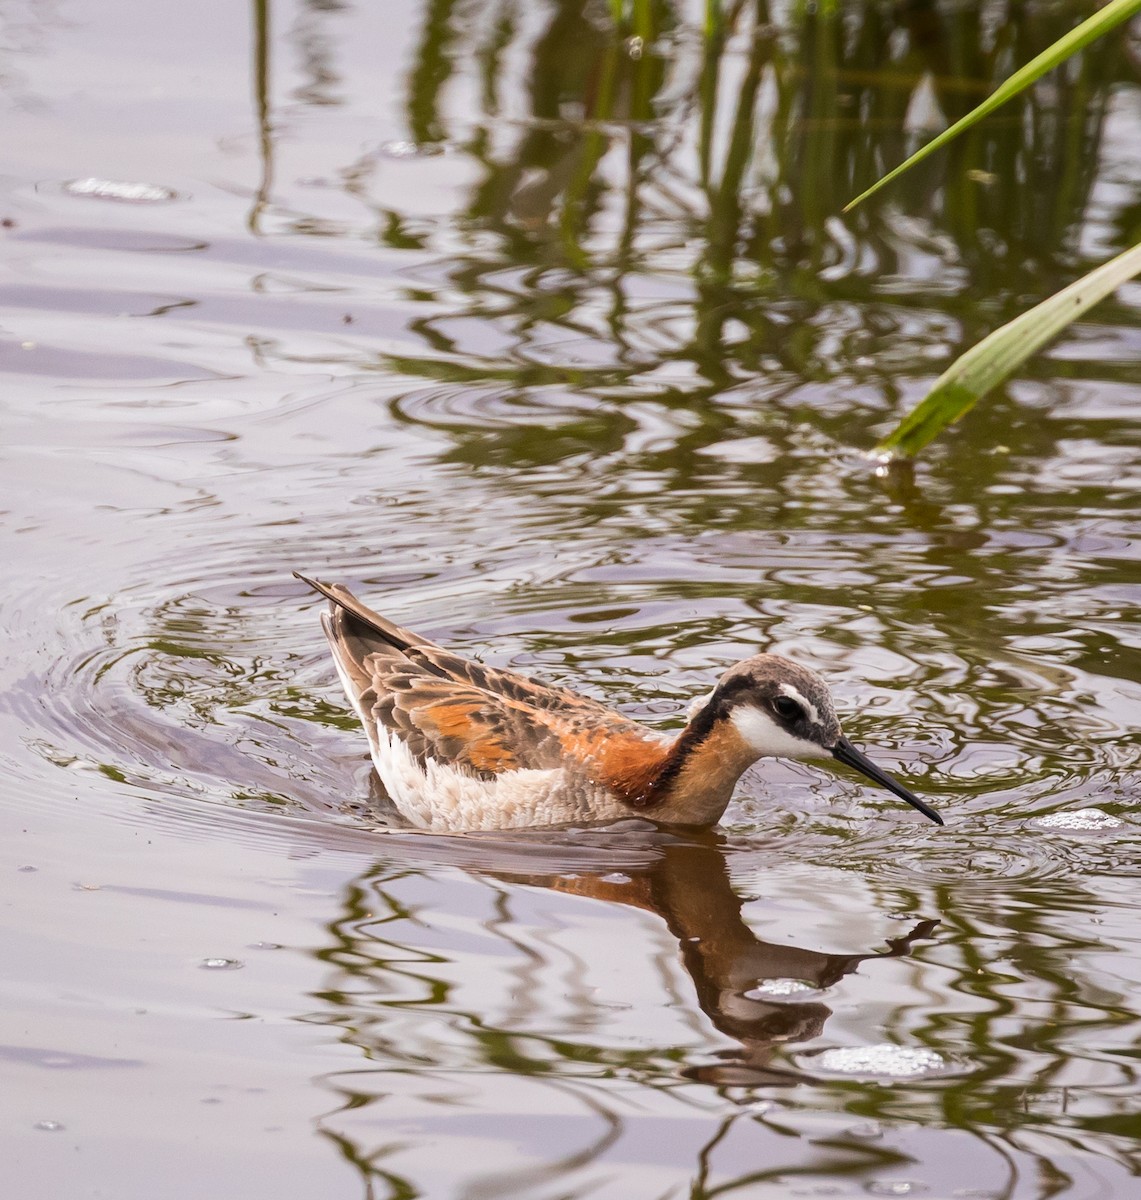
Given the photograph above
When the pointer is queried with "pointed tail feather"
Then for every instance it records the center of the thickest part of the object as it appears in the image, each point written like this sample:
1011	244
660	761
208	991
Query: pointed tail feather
395	635
349	654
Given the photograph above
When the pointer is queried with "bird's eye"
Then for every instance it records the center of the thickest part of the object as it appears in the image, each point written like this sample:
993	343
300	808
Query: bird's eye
787	708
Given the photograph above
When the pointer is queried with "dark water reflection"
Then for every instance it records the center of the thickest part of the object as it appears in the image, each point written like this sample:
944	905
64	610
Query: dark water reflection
762	994
547	333
603	1067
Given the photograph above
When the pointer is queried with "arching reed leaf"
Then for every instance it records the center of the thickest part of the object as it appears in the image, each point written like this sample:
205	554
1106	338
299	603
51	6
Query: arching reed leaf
1001	353
1105	19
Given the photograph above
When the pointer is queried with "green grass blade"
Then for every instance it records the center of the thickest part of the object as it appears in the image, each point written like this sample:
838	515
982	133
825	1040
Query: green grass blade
1000	354
1101	22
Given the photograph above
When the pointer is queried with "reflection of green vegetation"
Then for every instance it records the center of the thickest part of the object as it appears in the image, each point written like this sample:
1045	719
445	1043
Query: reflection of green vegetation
432	1028
433	69
714	165
998	356
379	974
1055	55
261	85
990	363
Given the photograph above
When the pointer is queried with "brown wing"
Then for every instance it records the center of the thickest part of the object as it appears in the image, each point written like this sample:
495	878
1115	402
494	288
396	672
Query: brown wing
446	707
446	664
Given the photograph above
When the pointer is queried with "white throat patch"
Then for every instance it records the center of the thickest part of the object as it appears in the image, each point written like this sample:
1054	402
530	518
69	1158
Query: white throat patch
768	739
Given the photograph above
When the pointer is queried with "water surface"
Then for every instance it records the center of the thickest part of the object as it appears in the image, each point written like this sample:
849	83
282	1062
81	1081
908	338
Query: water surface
547	336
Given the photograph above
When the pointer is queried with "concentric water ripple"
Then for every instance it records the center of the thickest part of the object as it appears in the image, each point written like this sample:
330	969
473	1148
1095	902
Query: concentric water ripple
214	685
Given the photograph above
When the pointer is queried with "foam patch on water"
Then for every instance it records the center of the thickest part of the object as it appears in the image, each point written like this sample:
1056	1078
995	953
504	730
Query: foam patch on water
1083	820
411	149
781	989
883	1061
119	189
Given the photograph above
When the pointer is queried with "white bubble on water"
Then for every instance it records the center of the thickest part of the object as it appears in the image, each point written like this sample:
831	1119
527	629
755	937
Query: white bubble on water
222	964
781	989
884	1060
402	149
119	189
1082	820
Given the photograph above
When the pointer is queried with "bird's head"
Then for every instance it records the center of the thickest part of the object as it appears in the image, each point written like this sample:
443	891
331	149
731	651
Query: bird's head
781	709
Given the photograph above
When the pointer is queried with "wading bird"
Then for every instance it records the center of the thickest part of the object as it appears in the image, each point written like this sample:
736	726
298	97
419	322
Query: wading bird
461	746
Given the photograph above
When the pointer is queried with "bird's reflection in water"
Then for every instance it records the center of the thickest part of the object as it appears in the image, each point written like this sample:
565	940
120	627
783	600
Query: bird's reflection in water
761	994
687	884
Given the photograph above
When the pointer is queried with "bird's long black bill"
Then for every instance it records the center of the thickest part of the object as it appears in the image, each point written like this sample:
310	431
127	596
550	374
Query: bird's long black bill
846	753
